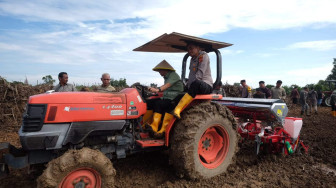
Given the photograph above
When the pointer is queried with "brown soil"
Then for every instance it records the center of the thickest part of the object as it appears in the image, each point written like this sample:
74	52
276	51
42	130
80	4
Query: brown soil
316	169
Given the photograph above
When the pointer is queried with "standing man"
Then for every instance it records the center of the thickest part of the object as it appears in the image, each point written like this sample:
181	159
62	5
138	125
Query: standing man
63	85
199	80
106	86
278	92
303	101
320	96
246	91
265	90
172	87
295	95
312	99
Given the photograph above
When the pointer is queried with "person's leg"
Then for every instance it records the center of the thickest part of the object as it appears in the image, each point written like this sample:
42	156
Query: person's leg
151	103
197	87
157	115
308	110
166	120
295	100
148	116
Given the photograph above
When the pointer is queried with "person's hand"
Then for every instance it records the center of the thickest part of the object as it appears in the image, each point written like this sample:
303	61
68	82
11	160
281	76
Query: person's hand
153	90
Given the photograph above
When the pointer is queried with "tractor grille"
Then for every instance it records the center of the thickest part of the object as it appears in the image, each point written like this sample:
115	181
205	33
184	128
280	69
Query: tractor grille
33	118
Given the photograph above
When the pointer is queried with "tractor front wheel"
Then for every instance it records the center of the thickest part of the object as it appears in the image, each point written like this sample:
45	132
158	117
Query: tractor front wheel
204	141
85	168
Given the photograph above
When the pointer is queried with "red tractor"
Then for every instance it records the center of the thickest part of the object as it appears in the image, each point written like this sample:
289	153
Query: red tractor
327	94
77	134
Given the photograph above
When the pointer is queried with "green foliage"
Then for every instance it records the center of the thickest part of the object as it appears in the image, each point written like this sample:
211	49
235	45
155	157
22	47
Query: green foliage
17	82
332	76
119	83
236	84
48	79
310	86
269	86
287	89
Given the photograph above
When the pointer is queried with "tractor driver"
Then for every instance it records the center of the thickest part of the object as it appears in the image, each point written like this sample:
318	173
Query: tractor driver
172	87
199	80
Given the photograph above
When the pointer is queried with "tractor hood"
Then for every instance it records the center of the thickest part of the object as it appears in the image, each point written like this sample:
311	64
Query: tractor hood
77	98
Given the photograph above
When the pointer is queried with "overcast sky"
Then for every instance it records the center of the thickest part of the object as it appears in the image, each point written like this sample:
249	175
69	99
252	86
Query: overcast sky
291	40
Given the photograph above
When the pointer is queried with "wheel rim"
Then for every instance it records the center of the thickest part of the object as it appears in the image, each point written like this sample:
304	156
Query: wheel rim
327	101
213	146
82	178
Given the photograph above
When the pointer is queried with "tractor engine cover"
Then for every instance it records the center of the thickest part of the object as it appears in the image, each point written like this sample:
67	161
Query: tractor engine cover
54	119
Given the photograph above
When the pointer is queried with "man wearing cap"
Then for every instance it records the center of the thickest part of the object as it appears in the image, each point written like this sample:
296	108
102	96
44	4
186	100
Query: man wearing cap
106	86
265	90
172	87
278	92
63	85
246	91
199	80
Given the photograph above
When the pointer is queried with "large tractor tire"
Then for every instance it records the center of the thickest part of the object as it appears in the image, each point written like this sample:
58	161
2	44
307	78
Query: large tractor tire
204	141
327	101
78	168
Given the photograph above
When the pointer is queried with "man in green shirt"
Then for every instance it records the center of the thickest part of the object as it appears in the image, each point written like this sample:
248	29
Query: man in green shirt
172	87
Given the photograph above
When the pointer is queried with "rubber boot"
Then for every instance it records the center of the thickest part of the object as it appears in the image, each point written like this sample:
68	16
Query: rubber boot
334	114
154	126
166	120
186	99
148	115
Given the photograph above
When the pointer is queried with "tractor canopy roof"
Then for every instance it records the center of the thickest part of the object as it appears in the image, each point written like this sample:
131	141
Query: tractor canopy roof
177	42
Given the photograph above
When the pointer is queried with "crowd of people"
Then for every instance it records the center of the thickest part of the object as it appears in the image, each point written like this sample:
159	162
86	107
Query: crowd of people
308	98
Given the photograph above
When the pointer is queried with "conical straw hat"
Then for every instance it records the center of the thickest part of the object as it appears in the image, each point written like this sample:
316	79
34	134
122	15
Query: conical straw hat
164	65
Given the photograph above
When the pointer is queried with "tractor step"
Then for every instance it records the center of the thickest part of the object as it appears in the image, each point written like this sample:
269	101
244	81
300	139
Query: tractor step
144	135
150	143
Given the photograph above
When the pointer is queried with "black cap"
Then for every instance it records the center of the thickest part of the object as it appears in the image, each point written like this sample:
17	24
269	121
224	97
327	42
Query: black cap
279	81
241	81
261	82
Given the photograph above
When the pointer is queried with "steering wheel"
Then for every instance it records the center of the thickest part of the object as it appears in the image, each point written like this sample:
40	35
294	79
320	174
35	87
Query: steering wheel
143	91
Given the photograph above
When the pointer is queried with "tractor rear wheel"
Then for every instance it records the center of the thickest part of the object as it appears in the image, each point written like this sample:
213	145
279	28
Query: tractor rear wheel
78	168
327	101
204	141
